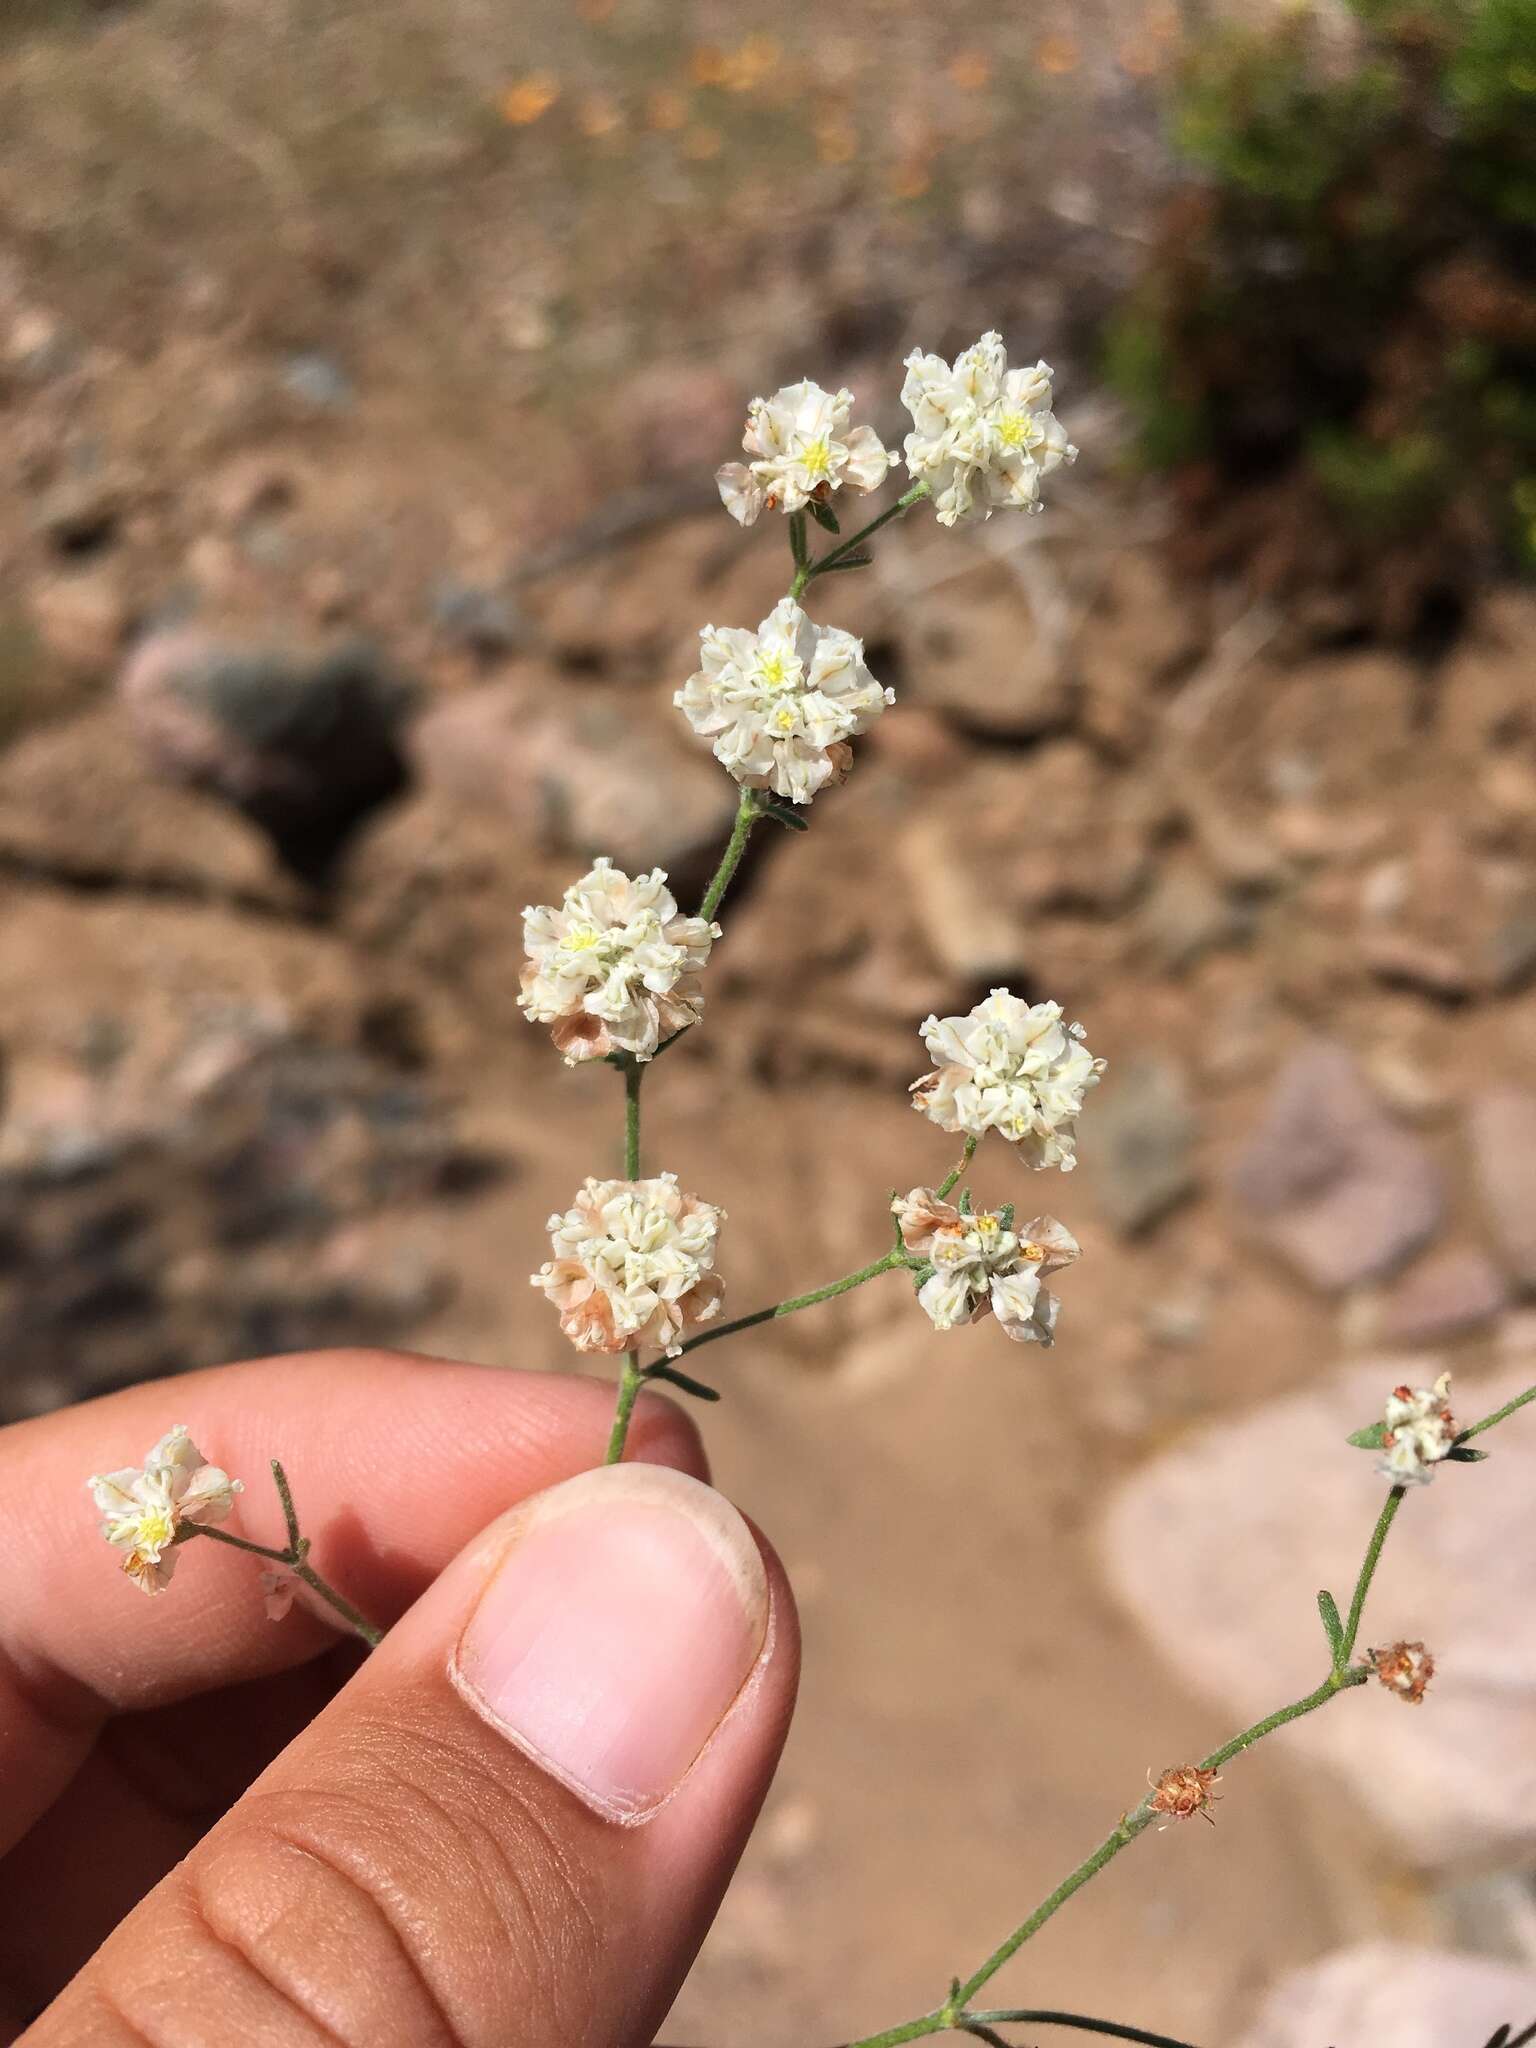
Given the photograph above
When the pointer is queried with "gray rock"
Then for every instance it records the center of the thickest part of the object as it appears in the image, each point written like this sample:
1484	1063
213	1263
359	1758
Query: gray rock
987	666
1502	1127
1384	1991
1329	1181
1143	1145
482	619
1217	1548
1186	915
304	741
584	771
1447	1294
319	380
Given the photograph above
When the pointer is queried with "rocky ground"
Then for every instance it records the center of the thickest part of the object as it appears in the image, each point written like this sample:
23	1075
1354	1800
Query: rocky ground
294	726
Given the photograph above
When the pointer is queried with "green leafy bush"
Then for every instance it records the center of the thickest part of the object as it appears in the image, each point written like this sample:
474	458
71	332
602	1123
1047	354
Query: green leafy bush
1335	336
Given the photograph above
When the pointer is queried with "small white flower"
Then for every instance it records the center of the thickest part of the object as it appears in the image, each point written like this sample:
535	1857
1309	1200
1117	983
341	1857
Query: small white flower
981	1265
782	703
1419	1432
1013	1067
802	448
615	967
633	1265
145	1514
983	435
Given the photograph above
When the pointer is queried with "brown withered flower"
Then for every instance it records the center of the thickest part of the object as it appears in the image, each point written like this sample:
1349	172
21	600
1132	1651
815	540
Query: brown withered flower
1404	1669
1184	1791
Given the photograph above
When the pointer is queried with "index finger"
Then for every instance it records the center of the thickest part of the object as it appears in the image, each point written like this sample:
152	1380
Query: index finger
395	1460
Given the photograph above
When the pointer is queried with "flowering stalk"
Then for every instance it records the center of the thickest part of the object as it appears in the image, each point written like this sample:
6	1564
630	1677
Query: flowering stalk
807	571
888	1264
954	2015
294	1558
748	811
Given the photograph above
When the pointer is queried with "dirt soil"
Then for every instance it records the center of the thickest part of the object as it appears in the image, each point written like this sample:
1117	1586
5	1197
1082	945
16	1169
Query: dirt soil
424	334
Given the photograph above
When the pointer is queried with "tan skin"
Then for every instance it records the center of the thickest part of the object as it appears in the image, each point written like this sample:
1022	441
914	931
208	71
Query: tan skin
401	1873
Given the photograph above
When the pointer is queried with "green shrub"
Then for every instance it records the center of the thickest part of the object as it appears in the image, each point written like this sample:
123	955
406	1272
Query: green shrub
1339	318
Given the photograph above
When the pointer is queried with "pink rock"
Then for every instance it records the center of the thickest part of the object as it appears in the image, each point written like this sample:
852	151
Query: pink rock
586	770
1331	1183
1448	1293
1390	1992
1502	1127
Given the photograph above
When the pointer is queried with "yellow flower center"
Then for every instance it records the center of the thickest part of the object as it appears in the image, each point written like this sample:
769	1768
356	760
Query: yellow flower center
784	718
155	1528
816	458
1033	1252
1015	429
584	938
773	672
987	1224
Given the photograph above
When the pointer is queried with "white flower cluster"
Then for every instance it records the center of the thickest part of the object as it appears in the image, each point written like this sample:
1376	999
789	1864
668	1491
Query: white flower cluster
1012	1067
146	1513
781	704
983	435
614	967
802	448
1420	1430
633	1265
982	1266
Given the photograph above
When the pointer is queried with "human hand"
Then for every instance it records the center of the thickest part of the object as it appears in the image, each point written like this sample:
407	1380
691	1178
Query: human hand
511	1824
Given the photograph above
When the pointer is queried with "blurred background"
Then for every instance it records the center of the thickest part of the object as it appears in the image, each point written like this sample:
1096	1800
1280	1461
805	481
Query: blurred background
362	373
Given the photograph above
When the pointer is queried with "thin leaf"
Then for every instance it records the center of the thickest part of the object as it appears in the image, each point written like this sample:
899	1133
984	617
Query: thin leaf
700	1392
1368	1439
823	515
1463	1454
845	562
783	815
1333	1628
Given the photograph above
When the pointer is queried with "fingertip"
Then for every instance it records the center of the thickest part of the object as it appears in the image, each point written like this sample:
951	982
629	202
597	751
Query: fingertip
662	1432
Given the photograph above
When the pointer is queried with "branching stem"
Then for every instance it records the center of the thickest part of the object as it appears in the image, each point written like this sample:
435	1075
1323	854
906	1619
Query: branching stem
295	1558
1342	1677
888	1264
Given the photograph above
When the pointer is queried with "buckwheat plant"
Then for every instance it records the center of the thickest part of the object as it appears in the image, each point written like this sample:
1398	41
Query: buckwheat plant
616	971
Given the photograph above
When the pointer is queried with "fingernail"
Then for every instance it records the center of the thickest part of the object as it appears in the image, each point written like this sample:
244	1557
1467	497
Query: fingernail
626	1614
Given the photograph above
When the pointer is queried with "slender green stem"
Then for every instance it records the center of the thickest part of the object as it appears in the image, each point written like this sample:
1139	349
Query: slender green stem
631	1380
956	1173
809	570
634	1074
1113	2029
1384	1522
1498	1415
295	1561
371	1636
234	1542
748	811
1343	1677
910	2030
285	1495
797	546
888	1264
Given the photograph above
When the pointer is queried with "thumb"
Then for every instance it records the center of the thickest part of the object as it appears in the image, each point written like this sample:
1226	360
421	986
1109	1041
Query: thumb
514	1824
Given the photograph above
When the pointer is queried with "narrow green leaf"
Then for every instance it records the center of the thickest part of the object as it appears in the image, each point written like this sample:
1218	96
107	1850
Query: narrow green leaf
700	1392
1333	1628
783	815
845	562
1368	1439
823	515
1463	1454
797	546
